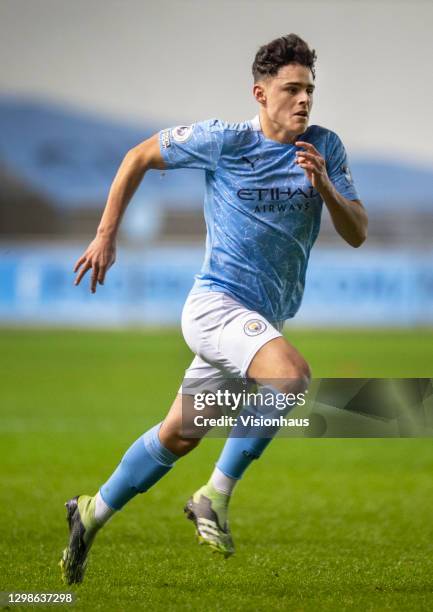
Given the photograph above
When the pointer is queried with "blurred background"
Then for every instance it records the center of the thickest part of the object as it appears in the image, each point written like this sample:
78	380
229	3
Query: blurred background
82	82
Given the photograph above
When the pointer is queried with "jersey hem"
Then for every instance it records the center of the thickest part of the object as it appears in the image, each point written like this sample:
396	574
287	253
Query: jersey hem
218	289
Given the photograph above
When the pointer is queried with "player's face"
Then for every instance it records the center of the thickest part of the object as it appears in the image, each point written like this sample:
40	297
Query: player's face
287	97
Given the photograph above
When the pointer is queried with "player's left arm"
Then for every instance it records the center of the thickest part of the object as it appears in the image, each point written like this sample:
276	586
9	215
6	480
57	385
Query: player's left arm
348	216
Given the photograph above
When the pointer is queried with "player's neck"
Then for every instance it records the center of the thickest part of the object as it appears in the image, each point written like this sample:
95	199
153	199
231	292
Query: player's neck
274	131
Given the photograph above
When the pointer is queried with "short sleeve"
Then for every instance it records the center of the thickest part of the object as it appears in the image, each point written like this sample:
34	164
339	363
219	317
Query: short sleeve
193	146
338	169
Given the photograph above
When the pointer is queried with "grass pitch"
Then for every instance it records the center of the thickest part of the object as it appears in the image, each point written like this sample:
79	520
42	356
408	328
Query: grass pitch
319	524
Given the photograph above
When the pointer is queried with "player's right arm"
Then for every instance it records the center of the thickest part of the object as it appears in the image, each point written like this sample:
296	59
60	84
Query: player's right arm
100	255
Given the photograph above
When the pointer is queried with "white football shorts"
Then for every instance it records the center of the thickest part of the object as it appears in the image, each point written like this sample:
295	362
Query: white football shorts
224	335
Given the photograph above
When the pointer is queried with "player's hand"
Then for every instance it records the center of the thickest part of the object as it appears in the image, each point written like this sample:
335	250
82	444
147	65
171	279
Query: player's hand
313	163
99	256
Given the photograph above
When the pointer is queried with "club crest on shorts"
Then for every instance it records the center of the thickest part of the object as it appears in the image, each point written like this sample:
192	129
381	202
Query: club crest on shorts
254	327
182	133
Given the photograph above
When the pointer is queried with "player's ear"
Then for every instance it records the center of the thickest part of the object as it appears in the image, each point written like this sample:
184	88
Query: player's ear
259	93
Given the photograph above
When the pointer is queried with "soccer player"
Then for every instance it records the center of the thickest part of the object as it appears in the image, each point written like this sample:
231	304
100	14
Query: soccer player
266	182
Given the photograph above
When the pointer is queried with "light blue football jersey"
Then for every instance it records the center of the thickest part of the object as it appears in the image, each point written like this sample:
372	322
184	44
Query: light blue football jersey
262	213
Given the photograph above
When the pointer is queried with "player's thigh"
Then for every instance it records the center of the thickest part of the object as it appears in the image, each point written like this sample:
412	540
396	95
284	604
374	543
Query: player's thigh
279	361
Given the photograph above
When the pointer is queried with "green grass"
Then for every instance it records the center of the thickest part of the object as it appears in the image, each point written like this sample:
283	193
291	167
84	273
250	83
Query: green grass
319	524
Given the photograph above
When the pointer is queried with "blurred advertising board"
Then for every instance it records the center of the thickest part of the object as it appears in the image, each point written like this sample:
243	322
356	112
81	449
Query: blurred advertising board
345	287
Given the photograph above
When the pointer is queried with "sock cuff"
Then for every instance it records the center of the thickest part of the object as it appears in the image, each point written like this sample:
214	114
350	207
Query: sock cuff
221	482
155	449
220	464
104	500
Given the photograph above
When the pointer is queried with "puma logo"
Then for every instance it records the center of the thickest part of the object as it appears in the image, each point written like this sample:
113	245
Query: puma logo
251	162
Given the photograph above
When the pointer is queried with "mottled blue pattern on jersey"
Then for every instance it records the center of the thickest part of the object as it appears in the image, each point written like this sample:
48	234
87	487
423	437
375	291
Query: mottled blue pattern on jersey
262	214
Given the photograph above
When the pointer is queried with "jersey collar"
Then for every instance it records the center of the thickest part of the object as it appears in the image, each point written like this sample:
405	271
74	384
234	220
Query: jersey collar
256	127
255	124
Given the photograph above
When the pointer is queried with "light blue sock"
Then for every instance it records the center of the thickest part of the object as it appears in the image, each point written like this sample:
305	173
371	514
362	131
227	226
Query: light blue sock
143	464
240	449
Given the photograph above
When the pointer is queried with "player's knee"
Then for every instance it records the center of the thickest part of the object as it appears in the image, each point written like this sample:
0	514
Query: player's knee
293	376
184	445
304	373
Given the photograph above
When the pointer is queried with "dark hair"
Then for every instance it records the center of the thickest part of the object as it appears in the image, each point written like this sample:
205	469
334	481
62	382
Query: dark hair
280	52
